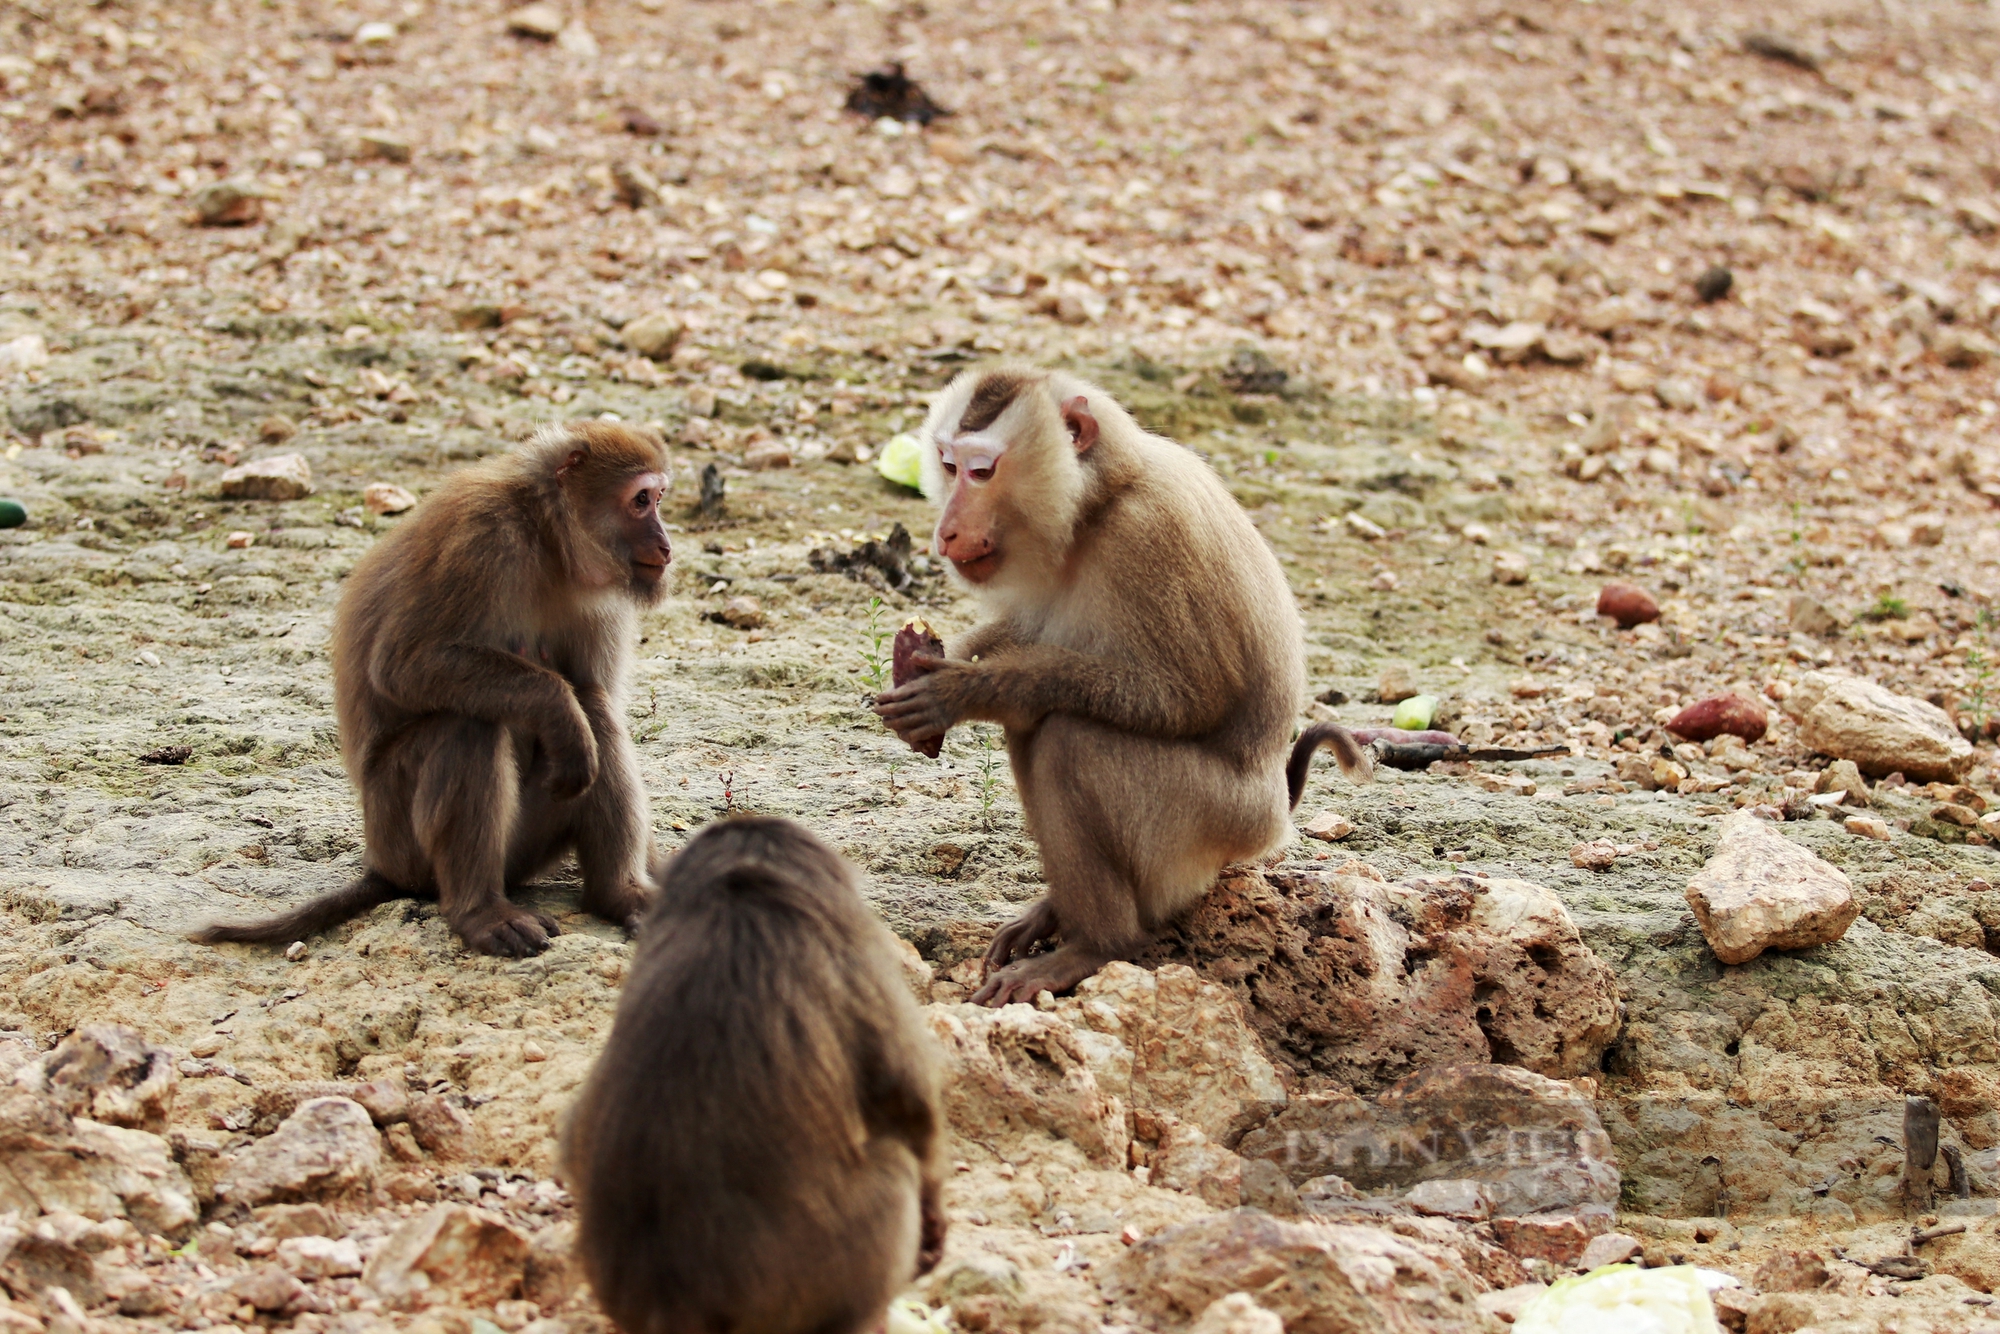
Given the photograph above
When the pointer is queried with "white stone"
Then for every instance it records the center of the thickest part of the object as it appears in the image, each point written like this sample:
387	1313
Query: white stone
29	352
320	1257
1237	1313
1451	1197
386	498
653	335
1881	731
1612	1248
329	1146
1761	891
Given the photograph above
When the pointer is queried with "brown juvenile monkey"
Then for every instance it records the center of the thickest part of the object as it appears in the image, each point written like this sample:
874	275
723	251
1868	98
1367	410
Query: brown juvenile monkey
1143	653
756	1150
481	655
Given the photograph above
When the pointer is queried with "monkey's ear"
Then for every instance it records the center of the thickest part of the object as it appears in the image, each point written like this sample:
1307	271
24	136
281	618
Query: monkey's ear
575	459
1082	426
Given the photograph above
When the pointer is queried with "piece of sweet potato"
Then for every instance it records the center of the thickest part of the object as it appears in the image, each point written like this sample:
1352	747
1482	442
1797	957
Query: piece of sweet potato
912	639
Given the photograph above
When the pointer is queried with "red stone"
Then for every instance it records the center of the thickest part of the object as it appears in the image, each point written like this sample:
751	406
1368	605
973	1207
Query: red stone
1720	715
1557	1238
1627	604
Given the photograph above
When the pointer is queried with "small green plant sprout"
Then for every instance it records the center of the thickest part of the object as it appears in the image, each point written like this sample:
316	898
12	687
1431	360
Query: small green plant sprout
989	771
875	662
1888	607
1979	662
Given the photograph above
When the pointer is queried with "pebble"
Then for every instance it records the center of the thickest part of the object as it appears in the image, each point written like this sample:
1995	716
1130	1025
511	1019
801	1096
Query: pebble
1812	617
634	186
280	477
655	335
295	951
539	21
276	429
1363	527
1627	604
533	1052
1510	567
12	514
384	147
762	452
237	541
386	498
229	204
745	613
1714	283
28	352
1597	855
1384	581
1519	784
1843	779
1329	827
1527	687
1396	684
1720	715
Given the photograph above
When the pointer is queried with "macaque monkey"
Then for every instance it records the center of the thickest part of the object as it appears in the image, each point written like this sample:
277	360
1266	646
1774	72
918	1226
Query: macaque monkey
756	1150
481	655
1142	653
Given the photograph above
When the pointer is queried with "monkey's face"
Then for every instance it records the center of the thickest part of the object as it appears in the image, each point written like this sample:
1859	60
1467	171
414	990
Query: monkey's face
968	531
642	538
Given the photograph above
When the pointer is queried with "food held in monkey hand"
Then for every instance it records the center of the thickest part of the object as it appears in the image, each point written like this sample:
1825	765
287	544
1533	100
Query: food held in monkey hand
902	461
914	638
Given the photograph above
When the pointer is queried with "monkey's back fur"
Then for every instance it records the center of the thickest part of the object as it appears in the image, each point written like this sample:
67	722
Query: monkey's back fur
754	1151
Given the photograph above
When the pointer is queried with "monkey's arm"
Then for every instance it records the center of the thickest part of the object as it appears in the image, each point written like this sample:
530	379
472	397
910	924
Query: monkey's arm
1022	684
494	686
899	1101
983	641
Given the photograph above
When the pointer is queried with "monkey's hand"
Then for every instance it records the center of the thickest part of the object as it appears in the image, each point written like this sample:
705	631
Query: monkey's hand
572	758
931	704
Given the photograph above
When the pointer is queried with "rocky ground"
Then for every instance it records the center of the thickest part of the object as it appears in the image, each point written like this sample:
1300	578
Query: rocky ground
1430	285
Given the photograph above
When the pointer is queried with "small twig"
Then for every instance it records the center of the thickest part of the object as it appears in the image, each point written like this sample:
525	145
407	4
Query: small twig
1932	1234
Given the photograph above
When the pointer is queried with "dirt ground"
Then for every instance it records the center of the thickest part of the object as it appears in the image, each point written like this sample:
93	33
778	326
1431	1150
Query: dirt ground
1419	279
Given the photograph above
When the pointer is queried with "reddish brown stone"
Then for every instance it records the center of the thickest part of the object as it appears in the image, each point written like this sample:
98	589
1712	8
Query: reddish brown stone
1627	604
1557	1238
1720	715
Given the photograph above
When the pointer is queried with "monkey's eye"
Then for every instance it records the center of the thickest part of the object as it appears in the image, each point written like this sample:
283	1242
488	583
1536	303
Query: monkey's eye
951	470
643	501
982	474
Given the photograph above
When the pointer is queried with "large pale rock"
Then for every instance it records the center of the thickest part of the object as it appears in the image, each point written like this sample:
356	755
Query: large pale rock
280	477
654	335
109	1073
455	1255
1534	1143
1881	731
1364	982
326	1149
1318	1278
1183	1048
1760	891
1018	1069
52	1162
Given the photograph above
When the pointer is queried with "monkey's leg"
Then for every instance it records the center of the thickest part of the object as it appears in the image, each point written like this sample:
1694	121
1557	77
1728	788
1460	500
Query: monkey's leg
608	823
1074	808
465	805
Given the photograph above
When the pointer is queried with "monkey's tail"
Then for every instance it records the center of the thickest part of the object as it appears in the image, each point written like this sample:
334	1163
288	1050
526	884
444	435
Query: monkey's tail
325	911
1351	754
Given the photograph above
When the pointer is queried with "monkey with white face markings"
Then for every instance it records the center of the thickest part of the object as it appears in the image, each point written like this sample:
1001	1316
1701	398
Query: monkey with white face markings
1142	653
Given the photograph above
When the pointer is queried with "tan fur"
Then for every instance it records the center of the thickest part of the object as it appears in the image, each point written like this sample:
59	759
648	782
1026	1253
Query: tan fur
481	655
756	1150
1145	657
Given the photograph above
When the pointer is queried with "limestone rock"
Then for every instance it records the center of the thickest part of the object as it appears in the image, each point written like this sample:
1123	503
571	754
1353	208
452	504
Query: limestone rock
1535	1144
313	1258
1558	1237
109	1073
280	477
267	1288
1183	1048
1761	891
455	1255
1018	1069
443	1128
1347	977
327	1148
35	1259
1881	731
50	1162
1237	1313
1318	1278
540	21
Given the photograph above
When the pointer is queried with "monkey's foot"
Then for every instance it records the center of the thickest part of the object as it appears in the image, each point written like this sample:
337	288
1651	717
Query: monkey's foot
624	903
508	931
1022	934
1025	979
